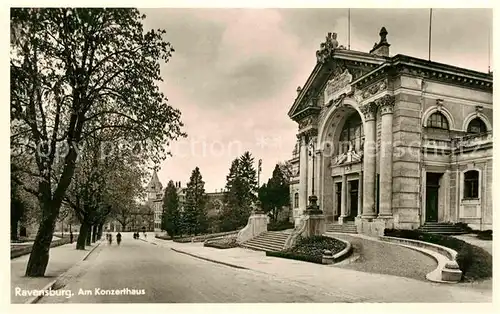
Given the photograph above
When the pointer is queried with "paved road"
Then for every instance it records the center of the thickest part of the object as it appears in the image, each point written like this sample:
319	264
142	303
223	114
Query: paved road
169	277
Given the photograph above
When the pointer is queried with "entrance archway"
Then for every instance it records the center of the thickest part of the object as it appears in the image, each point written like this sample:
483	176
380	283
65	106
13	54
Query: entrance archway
342	123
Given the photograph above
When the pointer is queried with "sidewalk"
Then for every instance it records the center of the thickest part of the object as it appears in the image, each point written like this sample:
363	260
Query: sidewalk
361	286
61	259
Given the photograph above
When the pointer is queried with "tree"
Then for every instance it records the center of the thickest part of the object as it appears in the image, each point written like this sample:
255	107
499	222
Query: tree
194	216
171	216
241	185
74	72
275	194
249	178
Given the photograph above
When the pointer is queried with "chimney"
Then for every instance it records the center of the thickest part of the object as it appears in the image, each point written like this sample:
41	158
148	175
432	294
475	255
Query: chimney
382	48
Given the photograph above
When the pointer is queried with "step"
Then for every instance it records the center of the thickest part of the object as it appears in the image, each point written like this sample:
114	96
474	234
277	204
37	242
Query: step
263	248
265	242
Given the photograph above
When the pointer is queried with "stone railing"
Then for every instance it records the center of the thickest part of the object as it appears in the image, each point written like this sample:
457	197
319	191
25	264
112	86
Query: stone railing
257	224
473	140
297	231
431	144
447	269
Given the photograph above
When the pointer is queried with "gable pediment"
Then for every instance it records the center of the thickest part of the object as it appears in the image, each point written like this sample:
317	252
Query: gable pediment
330	79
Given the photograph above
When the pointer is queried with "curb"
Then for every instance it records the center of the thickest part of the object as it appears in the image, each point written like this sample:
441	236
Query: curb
210	260
345	253
50	285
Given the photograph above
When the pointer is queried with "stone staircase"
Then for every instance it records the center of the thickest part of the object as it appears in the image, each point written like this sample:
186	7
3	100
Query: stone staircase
346	227
441	228
268	241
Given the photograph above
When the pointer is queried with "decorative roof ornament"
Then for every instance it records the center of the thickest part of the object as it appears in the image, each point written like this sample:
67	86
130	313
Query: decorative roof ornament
327	47
382	47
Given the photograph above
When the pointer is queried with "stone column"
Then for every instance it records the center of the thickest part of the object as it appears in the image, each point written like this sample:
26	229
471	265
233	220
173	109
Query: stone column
343	200
303	165
369	111
360	194
386	112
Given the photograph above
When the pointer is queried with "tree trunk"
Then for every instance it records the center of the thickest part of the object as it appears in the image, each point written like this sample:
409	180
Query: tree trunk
82	236
39	257
13	229
99	231
94	233
89	235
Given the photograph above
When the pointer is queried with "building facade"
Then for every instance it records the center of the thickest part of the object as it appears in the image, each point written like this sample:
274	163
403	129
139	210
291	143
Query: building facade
393	141
155	200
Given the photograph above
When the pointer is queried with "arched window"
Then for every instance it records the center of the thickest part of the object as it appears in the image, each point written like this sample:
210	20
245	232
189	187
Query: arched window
296	200
471	184
438	121
476	126
352	134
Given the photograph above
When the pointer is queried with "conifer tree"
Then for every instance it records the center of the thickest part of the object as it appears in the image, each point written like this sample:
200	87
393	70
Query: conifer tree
171	218
194	215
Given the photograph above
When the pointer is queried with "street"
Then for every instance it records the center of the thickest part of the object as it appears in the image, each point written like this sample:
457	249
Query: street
170	277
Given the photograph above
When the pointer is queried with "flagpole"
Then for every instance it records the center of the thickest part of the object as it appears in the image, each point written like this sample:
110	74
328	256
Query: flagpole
430	33
349	29
489	49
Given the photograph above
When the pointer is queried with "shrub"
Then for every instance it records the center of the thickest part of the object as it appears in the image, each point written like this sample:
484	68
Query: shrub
310	249
221	243
280	225
485	235
463	226
474	262
314	246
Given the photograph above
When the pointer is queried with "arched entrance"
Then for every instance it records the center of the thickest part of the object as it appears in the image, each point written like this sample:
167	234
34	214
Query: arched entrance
341	138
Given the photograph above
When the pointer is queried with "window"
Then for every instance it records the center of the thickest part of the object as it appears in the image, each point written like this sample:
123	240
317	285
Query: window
476	126
471	184
438	120
296	200
352	134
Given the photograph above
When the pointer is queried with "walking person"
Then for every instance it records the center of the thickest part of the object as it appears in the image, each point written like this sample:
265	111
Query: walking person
70	237
118	238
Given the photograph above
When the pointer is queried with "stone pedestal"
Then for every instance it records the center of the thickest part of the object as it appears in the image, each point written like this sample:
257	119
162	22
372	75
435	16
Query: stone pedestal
257	224
373	227
315	222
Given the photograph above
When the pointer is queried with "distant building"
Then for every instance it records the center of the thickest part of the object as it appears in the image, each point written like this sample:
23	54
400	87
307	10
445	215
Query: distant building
155	190
155	200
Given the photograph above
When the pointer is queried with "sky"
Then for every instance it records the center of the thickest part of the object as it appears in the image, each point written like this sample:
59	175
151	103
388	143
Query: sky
234	72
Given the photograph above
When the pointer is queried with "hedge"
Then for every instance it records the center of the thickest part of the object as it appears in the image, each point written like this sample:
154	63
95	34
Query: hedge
474	262
20	251
485	235
203	237
280	225
221	243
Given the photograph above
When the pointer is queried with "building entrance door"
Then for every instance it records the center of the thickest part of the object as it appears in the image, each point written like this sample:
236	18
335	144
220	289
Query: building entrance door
353	199
432	197
338	195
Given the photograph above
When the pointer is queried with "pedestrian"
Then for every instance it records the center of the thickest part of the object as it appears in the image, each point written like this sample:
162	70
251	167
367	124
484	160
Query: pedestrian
118	238
70	237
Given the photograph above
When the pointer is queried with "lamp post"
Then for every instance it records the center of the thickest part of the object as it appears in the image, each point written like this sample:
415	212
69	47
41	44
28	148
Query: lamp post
311	154
313	207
